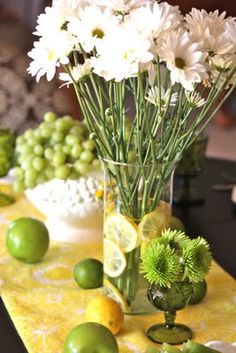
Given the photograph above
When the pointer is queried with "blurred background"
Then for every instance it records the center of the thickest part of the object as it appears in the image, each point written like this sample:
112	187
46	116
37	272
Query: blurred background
23	101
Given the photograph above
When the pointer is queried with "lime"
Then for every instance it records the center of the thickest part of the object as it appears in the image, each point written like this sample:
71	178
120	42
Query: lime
114	259
88	273
122	230
199	292
176	224
85	337
27	239
105	311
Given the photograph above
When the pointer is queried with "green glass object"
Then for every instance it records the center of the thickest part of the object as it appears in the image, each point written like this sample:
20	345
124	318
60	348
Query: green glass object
7	141
199	292
189	167
170	299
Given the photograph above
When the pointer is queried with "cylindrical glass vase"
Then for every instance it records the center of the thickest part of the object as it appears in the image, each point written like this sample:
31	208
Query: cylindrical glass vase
137	207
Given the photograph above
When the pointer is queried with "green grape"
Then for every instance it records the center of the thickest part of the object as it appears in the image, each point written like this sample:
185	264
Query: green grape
72	140
20	140
28	134
49	117
62	172
19	186
31	174
41	179
89	145
49	153
76	151
66	149
49	172
76	130
87	156
26	164
74	175
25	149
58	147
31	141
38	163
46	132
38	150
19	172
63	125
59	158
57	136
37	135
30	183
81	167
96	163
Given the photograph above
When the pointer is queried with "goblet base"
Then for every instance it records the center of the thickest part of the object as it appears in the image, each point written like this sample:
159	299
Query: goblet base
171	334
6	200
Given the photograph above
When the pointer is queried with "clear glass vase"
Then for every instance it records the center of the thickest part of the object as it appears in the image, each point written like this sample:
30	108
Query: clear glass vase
137	207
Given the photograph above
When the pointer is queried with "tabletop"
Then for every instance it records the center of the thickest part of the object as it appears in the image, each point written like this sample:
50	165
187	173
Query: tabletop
215	219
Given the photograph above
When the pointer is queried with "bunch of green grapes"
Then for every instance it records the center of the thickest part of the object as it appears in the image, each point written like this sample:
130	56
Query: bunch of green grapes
6	150
57	148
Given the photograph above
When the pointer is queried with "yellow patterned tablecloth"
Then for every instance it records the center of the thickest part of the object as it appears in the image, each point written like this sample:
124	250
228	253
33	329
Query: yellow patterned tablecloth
45	303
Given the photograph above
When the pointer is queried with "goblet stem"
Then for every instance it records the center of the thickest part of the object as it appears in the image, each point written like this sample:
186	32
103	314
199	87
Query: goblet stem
170	318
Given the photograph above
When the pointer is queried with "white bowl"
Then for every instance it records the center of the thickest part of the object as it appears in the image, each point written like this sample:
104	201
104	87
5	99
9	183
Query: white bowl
73	212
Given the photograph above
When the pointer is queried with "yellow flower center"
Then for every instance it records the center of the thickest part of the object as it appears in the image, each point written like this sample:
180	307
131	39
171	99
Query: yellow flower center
180	63
97	32
50	55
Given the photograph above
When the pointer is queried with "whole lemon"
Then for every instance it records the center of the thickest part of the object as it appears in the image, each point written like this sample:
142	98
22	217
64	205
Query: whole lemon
105	311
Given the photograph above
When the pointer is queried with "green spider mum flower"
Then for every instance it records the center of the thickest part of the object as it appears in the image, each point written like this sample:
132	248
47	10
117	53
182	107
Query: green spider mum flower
160	264
196	259
176	239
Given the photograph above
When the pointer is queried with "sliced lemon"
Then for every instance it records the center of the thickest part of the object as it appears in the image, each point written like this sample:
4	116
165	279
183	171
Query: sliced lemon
122	230
114	260
111	291
154	222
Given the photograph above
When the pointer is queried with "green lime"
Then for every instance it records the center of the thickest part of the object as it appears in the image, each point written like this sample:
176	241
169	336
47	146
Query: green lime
176	223
88	273
199	292
85	337
27	239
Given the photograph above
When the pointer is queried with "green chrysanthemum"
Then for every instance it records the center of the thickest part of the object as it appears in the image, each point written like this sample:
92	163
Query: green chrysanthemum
160	264
176	239
196	259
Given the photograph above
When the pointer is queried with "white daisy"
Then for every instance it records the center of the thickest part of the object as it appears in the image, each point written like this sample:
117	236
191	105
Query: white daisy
78	72
184	58
48	54
56	16
230	30
121	53
153	97
92	26
156	21
195	99
209	28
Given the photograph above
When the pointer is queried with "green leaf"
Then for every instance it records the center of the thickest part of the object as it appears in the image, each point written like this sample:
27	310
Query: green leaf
152	350
193	347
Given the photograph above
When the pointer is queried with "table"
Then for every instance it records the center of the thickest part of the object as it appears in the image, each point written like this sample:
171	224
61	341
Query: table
215	220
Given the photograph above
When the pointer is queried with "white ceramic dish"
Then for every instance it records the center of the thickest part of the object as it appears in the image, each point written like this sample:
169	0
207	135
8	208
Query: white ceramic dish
73	212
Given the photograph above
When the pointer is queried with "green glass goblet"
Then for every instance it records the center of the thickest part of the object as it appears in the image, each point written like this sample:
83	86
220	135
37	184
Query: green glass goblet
170	299
7	141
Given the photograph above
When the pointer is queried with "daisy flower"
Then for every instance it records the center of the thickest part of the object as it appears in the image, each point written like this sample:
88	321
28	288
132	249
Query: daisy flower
121	53
195	99
153	97
184	58
78	72
121	6
154	22
48	54
209	28
92	26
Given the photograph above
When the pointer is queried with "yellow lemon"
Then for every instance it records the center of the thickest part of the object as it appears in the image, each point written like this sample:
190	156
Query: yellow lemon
105	311
154	222
122	230
114	261
112	292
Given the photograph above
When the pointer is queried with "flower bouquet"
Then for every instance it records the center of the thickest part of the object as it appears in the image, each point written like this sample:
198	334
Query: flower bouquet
148	80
